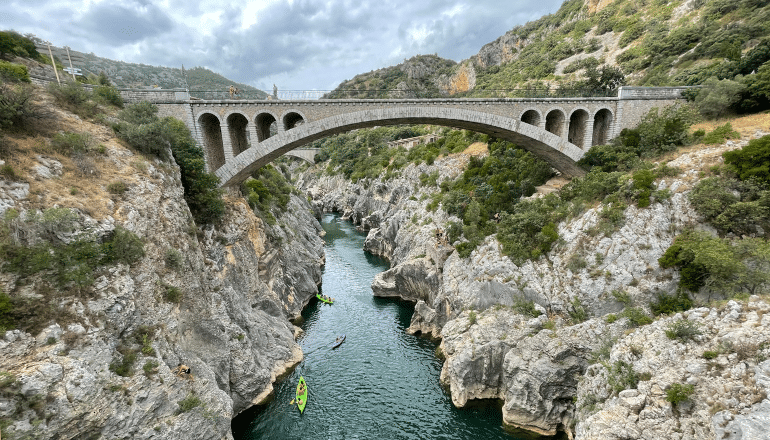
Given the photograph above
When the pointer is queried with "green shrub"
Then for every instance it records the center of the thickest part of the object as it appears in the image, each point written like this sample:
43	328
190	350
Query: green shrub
717	98
123	366
74	97
118	187
683	330
13	72
150	368
578	313
526	308
12	42
622	297
146	138
669	304
123	246
172	294
139	113
621	376
70	143
720	134
710	354
636	316
678	393
16	109
106	94
7	320
751	161
174	259
704	259
8	172
472	317
188	403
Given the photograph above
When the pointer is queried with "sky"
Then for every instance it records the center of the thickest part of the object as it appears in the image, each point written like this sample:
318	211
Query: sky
294	44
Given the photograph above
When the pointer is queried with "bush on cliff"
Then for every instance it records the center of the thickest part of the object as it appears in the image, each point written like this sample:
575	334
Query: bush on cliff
16	110
140	126
751	161
722	265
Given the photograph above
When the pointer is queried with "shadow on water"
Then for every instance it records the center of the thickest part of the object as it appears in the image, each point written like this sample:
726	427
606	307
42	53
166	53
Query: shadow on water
380	383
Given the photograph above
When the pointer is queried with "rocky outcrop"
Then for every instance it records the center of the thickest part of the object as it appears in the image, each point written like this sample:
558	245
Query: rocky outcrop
723	362
234	288
514	333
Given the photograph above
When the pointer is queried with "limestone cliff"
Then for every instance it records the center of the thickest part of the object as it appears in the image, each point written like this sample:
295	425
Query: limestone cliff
541	361
218	300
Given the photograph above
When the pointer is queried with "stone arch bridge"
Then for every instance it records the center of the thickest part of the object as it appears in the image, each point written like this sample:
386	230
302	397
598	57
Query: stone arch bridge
239	136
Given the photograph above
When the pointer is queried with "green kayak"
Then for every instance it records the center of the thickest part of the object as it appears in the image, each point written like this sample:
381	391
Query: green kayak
326	299
301	394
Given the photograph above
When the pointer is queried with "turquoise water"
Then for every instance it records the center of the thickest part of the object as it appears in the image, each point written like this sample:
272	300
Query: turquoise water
380	383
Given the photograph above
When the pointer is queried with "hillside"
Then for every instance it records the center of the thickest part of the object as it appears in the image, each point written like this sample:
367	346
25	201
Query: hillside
127	75
641	42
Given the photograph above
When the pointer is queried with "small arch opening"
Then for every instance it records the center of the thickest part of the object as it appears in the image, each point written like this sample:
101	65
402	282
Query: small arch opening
211	132
266	126
602	123
291	120
577	128
554	122
239	136
531	117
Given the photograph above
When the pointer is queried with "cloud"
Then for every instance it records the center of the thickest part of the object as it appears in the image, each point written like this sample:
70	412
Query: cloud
296	44
128	22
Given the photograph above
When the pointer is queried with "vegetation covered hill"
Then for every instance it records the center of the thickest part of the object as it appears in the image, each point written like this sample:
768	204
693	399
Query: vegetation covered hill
594	45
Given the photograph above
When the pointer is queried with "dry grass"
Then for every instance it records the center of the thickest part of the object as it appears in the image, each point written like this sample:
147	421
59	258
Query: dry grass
747	125
703	157
476	149
76	187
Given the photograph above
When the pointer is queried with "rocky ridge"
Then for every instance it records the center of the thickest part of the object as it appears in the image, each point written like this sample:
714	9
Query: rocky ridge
238	286
540	366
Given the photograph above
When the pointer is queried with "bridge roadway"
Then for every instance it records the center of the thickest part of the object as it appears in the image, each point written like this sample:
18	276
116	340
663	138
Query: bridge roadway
239	136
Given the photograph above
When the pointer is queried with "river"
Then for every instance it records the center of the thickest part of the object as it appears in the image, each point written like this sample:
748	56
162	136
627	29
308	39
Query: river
380	383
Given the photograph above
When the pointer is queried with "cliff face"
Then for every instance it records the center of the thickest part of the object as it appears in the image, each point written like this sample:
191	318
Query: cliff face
222	308
541	361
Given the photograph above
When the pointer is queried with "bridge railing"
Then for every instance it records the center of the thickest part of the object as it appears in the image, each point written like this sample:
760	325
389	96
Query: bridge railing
293	95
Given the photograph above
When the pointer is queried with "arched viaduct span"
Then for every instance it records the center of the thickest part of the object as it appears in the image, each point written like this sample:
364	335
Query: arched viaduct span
240	136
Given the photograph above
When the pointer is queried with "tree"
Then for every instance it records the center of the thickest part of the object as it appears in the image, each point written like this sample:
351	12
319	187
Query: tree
718	97
607	79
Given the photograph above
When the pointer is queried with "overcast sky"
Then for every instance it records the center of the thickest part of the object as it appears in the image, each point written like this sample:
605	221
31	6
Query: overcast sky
295	44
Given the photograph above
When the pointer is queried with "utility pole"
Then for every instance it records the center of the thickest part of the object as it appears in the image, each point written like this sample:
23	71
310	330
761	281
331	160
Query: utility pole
184	75
72	69
53	63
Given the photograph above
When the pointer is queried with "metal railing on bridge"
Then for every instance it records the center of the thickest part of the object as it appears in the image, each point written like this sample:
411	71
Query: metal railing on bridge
310	95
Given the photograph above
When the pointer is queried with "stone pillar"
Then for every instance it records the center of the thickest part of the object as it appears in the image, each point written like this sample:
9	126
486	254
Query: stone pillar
617	117
251	130
588	135
227	145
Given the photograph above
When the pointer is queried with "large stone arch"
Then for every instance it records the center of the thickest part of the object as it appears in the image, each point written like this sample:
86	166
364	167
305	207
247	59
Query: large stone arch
548	146
531	117
577	127
237	125
292	119
554	121
211	135
602	125
263	122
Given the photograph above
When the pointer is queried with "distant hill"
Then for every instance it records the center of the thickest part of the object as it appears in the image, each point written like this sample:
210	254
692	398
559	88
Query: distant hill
139	76
646	42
